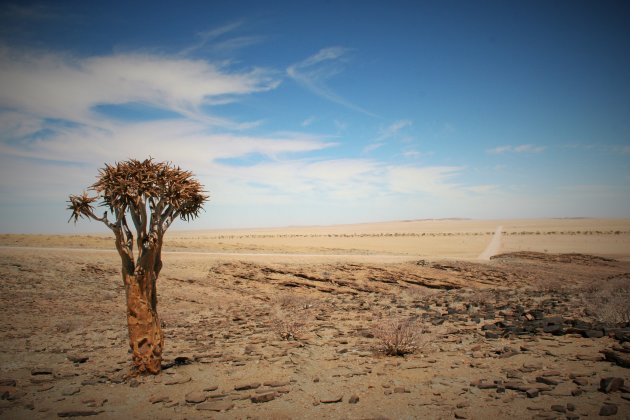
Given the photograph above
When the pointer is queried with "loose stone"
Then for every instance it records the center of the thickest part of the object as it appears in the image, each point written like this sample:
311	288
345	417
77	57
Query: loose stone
262	398
245	387
195	397
215	406
331	399
608	410
608	385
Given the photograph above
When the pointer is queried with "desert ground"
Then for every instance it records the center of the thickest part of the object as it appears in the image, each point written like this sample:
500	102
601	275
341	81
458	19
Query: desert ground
511	319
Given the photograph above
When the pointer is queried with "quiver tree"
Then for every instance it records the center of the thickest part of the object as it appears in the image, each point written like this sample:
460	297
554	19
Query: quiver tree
147	196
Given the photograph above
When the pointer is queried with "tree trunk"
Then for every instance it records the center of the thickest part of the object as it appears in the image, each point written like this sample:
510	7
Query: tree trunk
145	332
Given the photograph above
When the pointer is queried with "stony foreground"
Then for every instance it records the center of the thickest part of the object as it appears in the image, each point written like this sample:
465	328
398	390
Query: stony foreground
520	337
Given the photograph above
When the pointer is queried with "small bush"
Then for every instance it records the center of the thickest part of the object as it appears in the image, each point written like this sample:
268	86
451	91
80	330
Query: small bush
609	301
288	329
553	287
292	316
296	302
401	336
481	297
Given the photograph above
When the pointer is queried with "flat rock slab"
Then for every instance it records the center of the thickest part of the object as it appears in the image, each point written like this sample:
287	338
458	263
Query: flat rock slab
620	359
70	391
78	358
79	413
195	397
276	384
159	398
177	379
331	399
41	371
215	406
245	387
262	398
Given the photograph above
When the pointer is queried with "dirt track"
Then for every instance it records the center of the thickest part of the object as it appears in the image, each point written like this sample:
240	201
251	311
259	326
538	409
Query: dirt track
494	246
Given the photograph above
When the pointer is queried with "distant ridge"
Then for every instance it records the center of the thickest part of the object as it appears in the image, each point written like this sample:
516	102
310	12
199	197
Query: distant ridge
445	219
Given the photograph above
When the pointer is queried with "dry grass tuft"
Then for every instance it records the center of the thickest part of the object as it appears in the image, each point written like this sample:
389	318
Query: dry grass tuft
400	336
609	301
292	316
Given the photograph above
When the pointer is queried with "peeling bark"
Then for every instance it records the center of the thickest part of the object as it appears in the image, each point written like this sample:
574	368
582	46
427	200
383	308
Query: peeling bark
145	332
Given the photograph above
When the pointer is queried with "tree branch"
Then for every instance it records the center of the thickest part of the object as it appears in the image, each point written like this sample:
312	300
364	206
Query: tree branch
170	220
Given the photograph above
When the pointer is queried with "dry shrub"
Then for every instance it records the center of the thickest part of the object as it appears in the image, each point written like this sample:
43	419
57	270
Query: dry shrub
292	315
288	329
552	286
420	292
609	301
296	302
400	336
481	297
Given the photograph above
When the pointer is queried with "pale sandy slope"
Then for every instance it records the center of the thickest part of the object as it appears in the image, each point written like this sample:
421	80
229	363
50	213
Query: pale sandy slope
425	239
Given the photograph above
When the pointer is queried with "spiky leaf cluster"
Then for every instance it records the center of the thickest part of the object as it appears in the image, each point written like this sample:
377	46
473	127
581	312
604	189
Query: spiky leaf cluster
81	205
164	190
134	182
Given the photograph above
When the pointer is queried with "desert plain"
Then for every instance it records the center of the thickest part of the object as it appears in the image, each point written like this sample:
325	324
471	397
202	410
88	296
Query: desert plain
512	319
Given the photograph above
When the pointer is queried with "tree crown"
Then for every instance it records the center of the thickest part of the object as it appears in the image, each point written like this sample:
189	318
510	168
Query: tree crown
162	190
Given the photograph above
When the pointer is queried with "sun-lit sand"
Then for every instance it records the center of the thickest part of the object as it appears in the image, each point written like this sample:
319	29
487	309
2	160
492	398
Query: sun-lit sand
462	239
519	335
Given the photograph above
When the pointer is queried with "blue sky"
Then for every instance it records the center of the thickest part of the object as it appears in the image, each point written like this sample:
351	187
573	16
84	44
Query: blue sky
301	113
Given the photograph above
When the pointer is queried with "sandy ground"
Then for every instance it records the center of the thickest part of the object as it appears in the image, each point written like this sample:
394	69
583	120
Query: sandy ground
458	239
518	336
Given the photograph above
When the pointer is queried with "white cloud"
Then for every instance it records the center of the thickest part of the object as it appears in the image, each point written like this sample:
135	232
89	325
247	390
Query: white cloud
16	125
522	148
179	140
314	71
500	150
529	148
414	179
54	85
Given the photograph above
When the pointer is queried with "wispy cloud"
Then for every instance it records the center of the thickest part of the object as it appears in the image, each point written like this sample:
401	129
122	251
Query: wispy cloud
314	71
373	146
393	129
414	154
310	120
54	85
195	146
522	148
222	40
